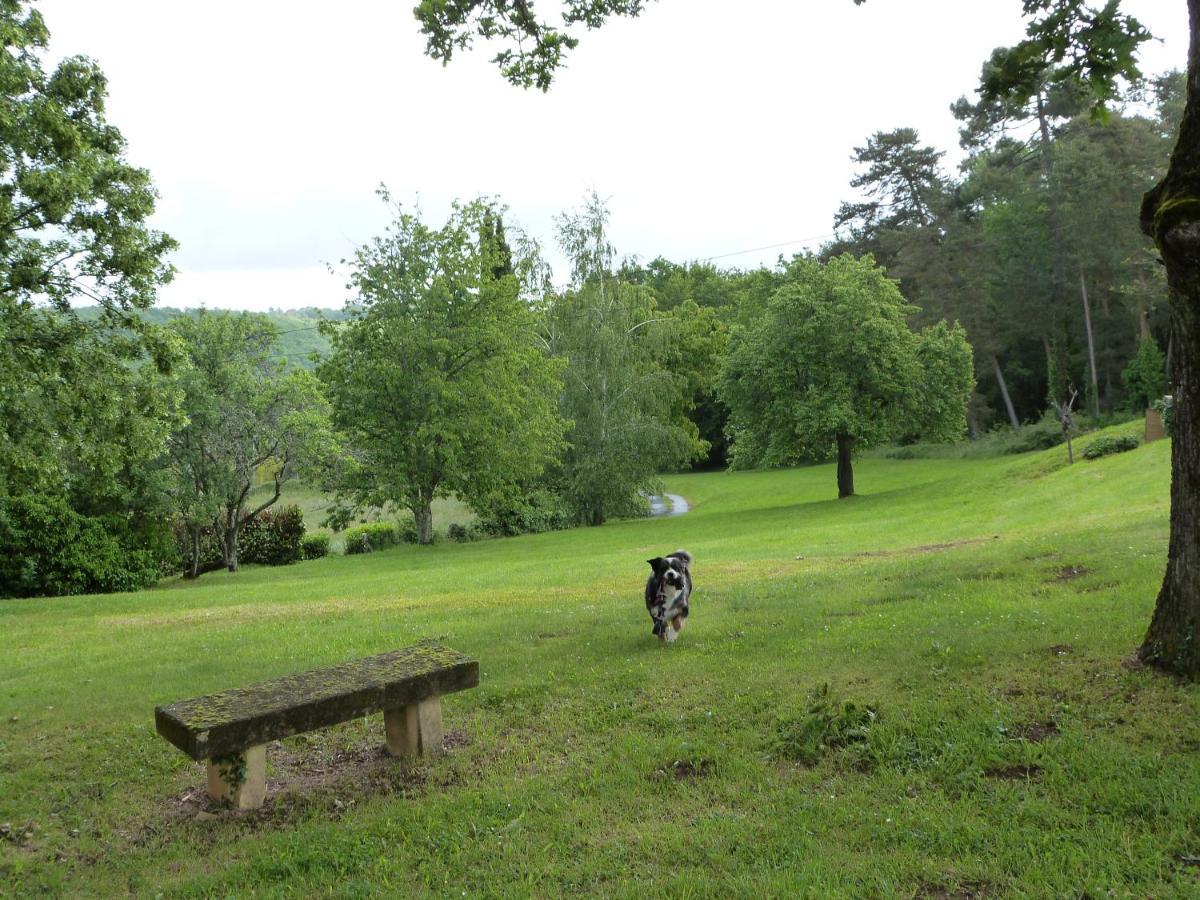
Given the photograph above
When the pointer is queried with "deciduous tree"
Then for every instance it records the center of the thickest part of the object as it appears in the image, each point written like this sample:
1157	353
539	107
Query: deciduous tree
626	407
833	368
246	416
83	414
436	377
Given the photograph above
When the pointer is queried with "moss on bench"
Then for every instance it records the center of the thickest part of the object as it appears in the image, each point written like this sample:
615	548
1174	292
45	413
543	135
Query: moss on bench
230	721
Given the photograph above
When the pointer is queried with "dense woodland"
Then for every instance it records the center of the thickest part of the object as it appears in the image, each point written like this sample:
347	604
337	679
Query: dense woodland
951	304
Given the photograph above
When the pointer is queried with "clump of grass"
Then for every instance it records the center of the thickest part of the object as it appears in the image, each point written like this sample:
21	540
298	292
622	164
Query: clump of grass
826	725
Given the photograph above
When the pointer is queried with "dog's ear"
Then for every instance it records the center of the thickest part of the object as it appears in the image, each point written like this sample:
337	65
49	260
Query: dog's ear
657	564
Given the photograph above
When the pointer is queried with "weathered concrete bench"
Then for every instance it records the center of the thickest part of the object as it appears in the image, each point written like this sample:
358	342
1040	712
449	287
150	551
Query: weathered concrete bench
230	729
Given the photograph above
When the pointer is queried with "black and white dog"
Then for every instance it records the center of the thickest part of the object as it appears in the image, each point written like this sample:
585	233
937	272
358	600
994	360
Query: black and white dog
668	590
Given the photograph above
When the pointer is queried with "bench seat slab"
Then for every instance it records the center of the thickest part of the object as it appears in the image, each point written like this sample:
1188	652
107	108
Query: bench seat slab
228	722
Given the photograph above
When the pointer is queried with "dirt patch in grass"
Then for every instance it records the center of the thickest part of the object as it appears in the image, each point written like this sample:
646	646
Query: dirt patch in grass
684	770
971	890
1068	573
1013	773
1036	732
311	777
1060	650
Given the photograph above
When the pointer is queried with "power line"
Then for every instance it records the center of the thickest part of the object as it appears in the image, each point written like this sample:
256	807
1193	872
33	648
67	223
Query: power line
815	237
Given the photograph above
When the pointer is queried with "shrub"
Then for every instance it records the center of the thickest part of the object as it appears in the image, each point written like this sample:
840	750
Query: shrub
1145	377
51	549
464	534
210	547
371	536
1109	444
1041	435
314	546
537	511
273	537
406	528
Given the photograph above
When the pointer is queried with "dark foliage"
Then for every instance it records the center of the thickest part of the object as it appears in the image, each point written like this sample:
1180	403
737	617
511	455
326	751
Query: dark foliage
51	549
314	546
273	537
464	534
1105	446
530	513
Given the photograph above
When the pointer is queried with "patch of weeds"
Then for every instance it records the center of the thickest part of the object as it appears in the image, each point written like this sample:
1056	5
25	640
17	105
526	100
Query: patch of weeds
825	725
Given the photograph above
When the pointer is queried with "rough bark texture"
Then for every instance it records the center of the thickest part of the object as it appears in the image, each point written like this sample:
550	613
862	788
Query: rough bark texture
845	470
229	721
1171	215
424	516
232	526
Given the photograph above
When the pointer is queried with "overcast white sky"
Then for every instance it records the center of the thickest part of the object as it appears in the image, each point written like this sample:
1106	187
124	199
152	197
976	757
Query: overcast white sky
712	126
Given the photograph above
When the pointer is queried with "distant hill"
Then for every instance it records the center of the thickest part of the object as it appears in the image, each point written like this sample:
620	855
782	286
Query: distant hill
299	339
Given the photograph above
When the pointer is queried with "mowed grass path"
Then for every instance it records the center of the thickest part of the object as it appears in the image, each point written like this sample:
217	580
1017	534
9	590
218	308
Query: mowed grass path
985	610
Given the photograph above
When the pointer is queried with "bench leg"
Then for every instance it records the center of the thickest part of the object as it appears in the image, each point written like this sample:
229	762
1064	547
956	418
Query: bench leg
239	779
414	730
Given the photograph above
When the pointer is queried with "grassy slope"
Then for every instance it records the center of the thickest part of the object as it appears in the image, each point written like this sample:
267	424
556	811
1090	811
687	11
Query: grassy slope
591	757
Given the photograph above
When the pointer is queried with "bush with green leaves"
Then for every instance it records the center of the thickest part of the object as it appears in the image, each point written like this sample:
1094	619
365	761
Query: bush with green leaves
1146	375
371	536
464	534
1109	444
273	537
529	513
51	549
1041	435
314	546
407	531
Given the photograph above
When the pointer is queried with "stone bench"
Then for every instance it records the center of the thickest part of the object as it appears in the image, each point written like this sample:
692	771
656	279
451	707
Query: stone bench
230	729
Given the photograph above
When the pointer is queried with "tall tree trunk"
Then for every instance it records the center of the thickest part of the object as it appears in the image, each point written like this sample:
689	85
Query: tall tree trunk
424	517
1087	321
845	469
1171	215
1008	404
193	567
232	526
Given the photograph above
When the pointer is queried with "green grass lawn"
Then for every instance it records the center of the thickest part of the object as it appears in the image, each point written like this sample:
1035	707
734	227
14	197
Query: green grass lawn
984	611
